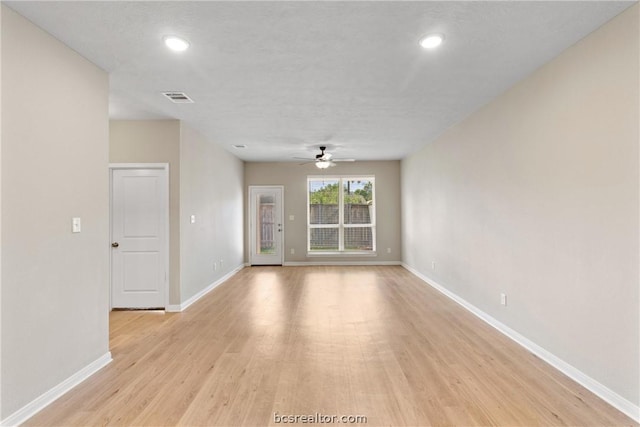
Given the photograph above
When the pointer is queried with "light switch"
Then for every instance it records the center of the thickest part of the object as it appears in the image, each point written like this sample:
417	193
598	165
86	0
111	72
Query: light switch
503	299
193	219
76	225
291	217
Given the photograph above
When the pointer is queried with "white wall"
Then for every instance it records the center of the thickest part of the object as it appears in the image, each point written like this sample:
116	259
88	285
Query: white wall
54	167
536	195
211	182
294	178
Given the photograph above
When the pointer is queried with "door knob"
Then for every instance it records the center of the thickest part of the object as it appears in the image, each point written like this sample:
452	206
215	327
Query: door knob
115	244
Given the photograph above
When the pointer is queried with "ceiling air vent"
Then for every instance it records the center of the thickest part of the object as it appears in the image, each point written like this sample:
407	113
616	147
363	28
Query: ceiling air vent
178	97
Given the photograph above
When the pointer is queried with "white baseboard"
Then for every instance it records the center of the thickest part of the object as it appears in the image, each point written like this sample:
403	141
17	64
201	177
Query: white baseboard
35	406
354	263
600	390
174	308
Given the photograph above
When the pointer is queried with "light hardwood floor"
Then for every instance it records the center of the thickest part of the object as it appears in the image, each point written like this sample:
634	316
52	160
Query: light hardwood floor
371	341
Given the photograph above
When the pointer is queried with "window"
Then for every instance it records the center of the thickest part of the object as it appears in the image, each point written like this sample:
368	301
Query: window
341	215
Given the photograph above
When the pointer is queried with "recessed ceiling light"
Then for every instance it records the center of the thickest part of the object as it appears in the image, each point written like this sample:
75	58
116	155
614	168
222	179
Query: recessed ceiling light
431	40
176	43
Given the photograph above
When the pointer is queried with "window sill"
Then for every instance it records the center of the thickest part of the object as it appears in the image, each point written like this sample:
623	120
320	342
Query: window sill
341	254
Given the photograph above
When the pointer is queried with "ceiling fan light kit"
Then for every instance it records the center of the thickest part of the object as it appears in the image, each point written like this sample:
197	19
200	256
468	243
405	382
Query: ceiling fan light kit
324	164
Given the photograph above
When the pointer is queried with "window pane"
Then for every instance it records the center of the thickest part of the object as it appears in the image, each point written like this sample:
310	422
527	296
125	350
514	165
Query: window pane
267	199
358	201
323	202
266	225
358	239
324	239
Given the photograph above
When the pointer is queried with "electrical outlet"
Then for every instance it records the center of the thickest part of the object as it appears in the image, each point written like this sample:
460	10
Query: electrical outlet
193	219
433	265
215	266
503	299
293	251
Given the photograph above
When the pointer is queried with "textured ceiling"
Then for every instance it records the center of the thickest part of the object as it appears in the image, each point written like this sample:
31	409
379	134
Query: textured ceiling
286	77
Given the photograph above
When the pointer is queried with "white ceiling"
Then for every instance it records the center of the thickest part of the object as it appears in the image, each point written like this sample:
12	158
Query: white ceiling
286	77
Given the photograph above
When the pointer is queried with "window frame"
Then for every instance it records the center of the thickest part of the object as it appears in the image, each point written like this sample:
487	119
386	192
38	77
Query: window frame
341	225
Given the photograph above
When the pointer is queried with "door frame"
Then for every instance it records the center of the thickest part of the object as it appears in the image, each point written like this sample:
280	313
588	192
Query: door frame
167	217
251	225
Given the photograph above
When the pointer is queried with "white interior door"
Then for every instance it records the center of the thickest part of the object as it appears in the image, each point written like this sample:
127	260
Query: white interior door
266	233
139	236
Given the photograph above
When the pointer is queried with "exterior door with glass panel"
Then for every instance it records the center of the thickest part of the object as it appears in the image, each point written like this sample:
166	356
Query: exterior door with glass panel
266	231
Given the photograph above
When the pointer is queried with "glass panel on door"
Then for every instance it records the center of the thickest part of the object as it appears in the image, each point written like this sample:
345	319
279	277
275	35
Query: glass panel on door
266	221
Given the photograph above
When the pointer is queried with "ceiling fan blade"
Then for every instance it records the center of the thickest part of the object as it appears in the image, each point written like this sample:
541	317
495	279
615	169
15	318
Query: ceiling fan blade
343	160
304	158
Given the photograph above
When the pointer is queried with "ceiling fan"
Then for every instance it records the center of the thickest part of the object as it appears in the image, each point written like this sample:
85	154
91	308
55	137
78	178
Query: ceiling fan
324	160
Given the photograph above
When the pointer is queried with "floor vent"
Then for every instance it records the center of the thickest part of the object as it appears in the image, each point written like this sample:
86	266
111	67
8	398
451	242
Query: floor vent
178	97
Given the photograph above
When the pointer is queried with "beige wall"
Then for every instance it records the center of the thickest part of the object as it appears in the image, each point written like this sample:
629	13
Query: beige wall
205	181
55	292
211	189
536	195
154	141
294	178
